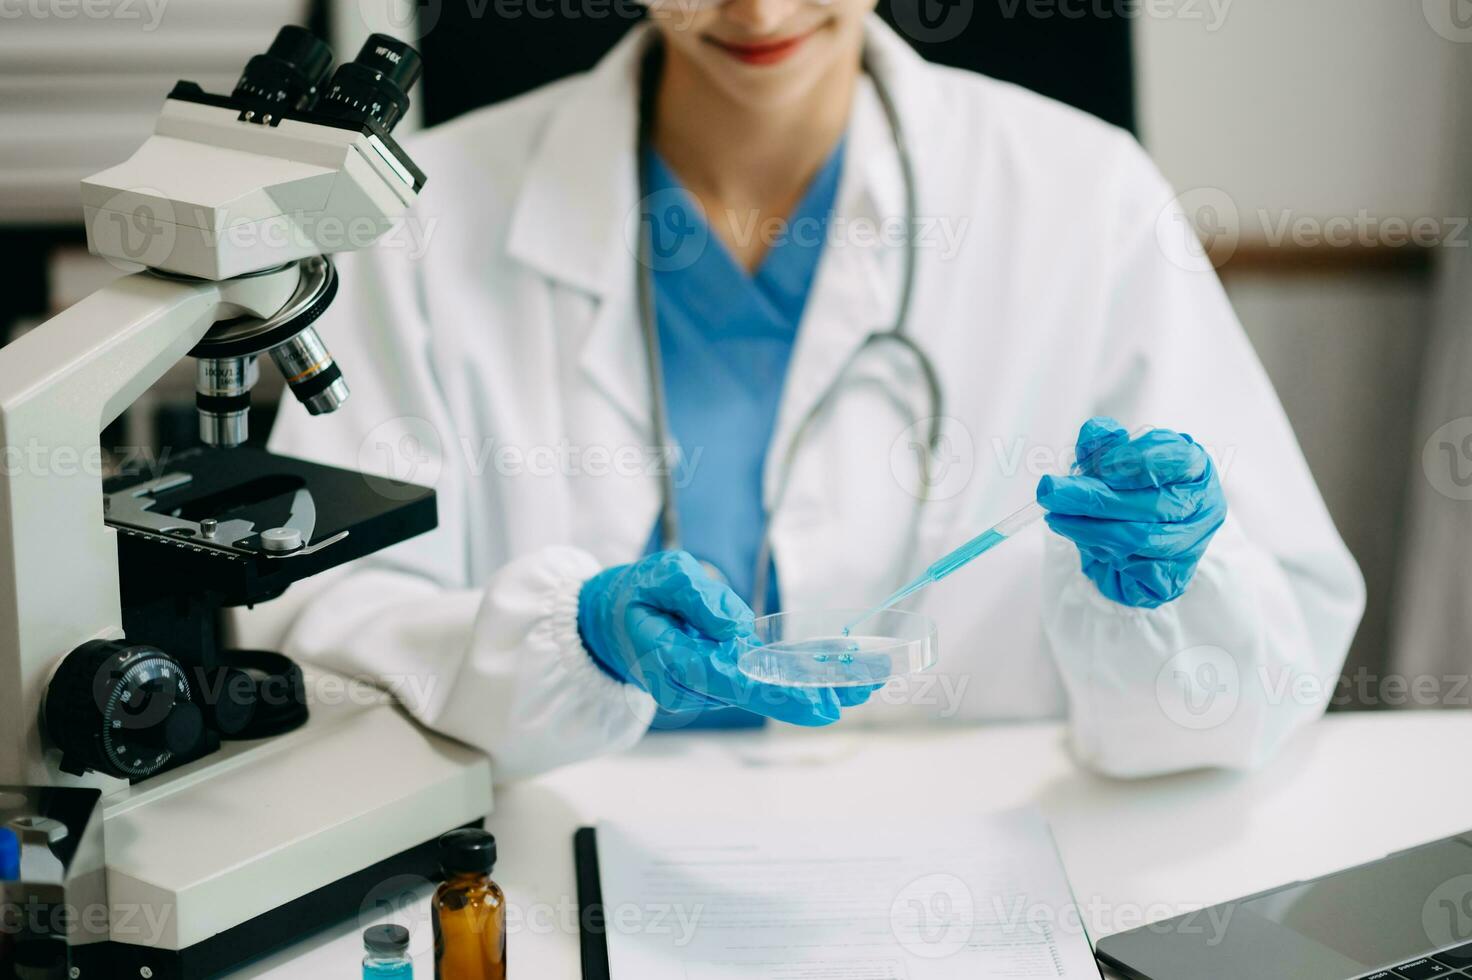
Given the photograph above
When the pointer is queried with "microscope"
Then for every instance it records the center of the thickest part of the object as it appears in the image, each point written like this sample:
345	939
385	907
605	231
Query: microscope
179	807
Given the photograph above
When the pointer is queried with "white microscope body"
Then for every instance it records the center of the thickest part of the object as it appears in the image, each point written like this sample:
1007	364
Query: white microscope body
228	210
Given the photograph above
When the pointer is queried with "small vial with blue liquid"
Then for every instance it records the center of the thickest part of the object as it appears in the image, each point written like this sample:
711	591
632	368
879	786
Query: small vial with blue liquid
386	953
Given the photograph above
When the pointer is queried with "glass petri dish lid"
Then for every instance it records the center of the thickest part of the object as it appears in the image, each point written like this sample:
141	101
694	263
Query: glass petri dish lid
809	649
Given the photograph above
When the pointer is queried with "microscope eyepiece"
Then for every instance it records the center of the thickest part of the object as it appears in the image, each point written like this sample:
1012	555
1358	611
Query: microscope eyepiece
289	74
375	84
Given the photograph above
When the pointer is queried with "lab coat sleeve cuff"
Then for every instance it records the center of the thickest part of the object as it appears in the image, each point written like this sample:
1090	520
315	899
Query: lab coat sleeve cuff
1217	678
550	703
573	655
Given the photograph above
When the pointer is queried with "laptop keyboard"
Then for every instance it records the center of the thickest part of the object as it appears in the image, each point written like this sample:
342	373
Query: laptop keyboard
1451	964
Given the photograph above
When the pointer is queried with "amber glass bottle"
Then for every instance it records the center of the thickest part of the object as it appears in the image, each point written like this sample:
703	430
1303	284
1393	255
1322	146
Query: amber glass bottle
469	910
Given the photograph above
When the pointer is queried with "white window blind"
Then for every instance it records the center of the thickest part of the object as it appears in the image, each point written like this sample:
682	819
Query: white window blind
81	82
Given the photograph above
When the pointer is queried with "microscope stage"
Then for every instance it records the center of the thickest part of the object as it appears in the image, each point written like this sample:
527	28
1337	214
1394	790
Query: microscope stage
243	524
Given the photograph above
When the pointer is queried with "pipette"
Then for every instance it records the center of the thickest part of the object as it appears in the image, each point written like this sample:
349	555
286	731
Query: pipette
962	556
990	538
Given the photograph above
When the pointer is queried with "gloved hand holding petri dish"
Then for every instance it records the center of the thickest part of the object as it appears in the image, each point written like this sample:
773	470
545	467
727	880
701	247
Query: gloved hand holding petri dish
817	649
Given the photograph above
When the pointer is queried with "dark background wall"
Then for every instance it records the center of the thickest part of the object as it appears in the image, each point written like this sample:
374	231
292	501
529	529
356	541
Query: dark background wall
476	53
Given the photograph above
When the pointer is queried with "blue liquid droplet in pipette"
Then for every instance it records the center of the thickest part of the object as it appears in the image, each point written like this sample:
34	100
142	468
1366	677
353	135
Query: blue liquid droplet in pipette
963	555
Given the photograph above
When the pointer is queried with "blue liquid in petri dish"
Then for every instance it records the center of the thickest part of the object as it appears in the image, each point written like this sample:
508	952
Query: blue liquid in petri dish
845	657
821	662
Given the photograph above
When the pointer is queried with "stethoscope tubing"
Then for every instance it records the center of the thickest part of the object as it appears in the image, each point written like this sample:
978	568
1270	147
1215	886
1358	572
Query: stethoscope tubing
669	521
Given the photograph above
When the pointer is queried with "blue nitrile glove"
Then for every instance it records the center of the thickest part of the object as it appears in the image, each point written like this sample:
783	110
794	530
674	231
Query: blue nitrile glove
1141	511
665	625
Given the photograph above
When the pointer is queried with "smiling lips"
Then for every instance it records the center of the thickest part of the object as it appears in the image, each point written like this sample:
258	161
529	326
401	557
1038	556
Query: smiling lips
765	52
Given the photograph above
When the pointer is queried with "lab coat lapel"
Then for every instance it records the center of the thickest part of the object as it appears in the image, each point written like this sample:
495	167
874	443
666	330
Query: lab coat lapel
576	217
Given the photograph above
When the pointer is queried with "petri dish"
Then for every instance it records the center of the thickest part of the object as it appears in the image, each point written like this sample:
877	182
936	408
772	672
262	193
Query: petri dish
808	649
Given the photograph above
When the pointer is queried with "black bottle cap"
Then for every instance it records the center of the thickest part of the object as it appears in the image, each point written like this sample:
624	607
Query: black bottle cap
467	851
386	940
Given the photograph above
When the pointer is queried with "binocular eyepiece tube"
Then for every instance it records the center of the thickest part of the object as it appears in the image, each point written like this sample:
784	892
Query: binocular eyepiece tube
295	76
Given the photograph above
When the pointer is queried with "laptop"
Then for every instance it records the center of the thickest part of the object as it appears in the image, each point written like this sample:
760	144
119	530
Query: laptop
1405	917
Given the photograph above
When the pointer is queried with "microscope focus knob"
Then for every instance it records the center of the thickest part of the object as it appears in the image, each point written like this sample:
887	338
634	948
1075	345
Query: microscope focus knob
121	709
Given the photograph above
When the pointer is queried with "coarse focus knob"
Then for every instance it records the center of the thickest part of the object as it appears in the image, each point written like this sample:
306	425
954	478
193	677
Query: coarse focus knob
122	709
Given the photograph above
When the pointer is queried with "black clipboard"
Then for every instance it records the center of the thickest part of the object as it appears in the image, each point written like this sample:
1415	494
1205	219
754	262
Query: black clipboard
592	931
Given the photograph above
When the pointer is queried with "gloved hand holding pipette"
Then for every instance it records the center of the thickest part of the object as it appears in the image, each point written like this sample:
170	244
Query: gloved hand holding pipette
1141	510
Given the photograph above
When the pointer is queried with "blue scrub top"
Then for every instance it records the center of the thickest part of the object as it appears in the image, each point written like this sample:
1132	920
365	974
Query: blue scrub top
9	855
725	339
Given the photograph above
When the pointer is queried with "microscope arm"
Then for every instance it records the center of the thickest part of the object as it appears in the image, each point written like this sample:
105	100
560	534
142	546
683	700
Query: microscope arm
60	384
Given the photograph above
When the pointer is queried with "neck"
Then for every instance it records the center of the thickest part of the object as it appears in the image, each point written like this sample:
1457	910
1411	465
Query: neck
743	157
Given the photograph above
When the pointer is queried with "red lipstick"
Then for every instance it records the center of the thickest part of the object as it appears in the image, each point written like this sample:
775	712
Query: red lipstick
762	52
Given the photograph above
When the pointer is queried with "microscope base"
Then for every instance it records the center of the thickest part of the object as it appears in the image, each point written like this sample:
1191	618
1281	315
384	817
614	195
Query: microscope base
262	843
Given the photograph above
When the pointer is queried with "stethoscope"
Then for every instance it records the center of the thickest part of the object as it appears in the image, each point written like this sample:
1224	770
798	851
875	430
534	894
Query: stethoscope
669	520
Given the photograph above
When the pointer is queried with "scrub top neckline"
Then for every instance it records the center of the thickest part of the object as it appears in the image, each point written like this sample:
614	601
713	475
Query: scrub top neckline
782	280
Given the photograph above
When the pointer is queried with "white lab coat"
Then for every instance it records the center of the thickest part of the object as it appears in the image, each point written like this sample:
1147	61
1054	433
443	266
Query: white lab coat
494	351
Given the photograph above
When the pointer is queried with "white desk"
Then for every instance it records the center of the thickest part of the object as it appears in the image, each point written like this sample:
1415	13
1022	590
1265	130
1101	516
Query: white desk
1351	788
